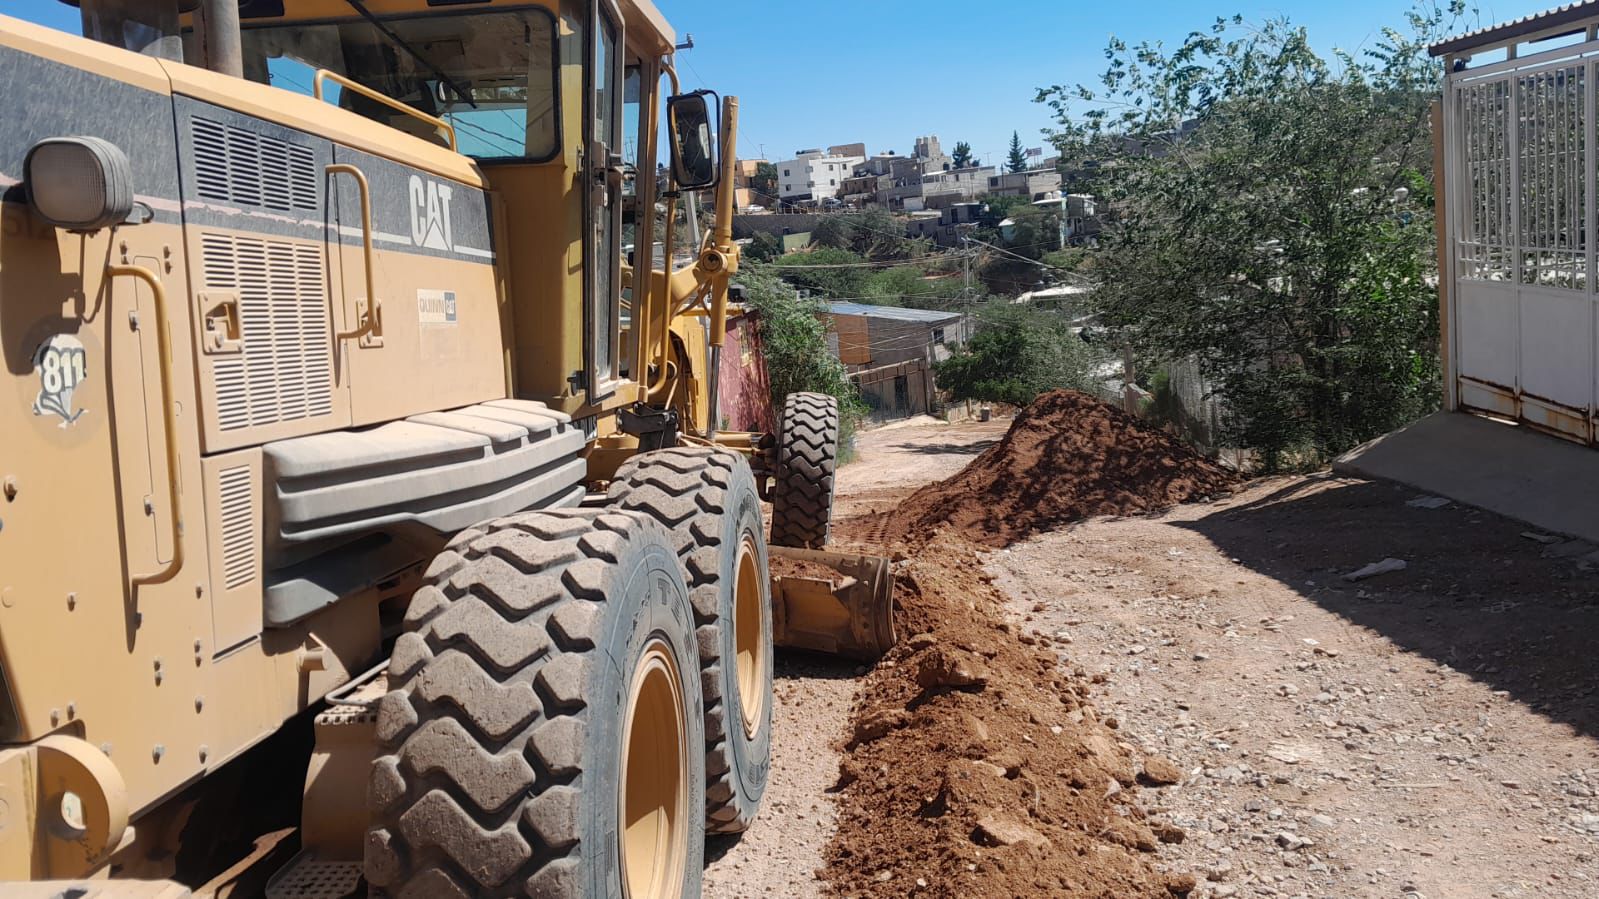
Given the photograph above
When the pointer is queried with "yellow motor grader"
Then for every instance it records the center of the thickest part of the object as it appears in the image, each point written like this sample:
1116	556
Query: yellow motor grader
360	427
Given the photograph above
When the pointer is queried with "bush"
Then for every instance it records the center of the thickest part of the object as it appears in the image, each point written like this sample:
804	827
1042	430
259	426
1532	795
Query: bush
764	247
1018	353
826	270
794	343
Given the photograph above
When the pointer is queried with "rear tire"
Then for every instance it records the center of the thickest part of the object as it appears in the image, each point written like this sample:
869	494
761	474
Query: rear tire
706	500
542	730
807	457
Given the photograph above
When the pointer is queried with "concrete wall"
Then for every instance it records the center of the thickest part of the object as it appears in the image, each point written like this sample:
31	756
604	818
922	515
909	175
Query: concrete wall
776	224
1030	183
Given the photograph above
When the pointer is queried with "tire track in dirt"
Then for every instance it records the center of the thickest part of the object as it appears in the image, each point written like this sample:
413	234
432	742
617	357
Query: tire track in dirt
780	854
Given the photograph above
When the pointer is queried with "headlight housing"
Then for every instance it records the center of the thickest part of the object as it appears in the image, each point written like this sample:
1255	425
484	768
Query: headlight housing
79	183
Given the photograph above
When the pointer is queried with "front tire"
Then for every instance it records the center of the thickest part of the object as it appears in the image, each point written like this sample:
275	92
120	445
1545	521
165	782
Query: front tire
706	499
807	458
542	730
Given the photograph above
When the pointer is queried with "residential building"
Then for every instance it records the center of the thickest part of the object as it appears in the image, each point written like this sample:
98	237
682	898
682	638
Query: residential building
744	193
890	352
881	164
862	189
945	226
1033	184
814	175
951	186
848	150
1078	216
906	189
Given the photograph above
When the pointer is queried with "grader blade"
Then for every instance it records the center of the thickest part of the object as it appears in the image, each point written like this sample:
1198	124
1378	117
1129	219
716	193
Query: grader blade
834	603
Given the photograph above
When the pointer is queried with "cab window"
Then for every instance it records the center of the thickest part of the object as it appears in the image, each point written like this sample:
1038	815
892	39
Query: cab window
493	76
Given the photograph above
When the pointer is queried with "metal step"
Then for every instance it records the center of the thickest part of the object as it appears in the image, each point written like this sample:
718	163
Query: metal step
307	877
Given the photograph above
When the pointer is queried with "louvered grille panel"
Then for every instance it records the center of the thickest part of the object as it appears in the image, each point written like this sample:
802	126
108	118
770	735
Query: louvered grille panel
238	526
237	166
285	372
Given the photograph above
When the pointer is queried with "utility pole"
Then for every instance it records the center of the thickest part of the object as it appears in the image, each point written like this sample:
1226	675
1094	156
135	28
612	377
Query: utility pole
966	288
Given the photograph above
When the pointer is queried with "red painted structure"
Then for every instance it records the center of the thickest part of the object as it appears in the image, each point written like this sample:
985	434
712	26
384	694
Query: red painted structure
745	388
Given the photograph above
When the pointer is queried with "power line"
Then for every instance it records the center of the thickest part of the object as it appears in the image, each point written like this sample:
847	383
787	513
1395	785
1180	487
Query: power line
1065	271
886	263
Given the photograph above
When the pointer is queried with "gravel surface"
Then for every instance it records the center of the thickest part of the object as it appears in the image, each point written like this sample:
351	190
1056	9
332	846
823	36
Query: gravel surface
1427	733
1421	734
782	851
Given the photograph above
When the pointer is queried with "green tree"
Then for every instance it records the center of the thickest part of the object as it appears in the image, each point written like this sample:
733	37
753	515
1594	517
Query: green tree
996	210
794	343
875	235
764	184
827	272
913	286
834	232
962	157
1035	231
1016	354
1016	161
764	247
1268	238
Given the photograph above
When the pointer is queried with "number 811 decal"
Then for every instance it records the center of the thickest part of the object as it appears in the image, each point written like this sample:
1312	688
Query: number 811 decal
61	364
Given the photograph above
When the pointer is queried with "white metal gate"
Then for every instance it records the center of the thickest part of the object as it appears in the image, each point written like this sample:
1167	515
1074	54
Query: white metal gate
1521	177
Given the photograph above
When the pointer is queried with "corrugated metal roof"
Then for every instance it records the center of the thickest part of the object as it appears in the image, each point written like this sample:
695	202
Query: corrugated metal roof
896	313
1554	18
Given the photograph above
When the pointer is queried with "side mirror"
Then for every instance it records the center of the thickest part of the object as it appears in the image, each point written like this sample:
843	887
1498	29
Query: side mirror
693	141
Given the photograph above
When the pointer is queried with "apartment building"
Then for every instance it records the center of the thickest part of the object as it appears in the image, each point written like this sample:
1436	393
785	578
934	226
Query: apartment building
814	175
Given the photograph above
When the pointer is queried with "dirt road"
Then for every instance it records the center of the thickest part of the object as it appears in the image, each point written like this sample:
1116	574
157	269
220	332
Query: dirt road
1425	733
782	851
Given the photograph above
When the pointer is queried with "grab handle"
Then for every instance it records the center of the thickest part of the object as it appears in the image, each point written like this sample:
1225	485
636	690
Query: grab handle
370	329
370	94
169	420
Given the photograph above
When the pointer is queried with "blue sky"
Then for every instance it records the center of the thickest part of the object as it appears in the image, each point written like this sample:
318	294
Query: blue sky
885	71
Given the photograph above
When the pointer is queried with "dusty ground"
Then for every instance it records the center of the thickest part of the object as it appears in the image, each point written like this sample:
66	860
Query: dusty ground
779	856
1428	733
1423	734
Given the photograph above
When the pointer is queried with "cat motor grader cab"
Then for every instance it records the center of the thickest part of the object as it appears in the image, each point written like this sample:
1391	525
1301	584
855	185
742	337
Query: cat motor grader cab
350	387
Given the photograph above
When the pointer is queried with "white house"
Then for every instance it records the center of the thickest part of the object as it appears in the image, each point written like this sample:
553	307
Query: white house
814	175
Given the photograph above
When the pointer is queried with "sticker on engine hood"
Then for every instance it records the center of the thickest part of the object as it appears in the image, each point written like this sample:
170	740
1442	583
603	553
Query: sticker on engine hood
61	364
435	307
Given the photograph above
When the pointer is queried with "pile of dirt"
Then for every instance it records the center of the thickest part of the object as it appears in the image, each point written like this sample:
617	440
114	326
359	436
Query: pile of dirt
1066	457
976	767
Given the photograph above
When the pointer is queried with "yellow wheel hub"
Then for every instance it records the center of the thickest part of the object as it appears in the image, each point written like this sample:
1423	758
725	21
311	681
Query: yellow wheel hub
749	614
653	795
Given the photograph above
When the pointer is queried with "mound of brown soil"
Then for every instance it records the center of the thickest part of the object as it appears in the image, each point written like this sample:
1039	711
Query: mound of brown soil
1066	457
976	767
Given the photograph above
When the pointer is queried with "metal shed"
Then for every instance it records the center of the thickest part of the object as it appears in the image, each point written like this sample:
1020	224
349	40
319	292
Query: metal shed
1518	218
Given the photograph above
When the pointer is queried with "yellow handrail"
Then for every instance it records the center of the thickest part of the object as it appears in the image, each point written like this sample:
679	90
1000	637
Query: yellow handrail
169	420
373	324
370	94
662	356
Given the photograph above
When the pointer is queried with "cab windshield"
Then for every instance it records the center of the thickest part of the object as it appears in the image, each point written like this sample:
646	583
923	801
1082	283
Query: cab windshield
491	75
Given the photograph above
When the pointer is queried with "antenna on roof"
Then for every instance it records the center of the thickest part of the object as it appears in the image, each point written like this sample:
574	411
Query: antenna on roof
687	44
